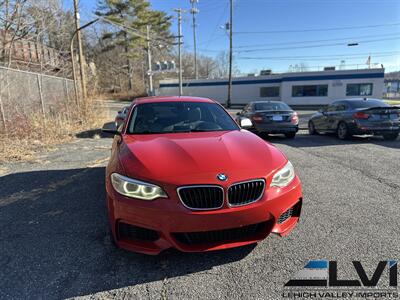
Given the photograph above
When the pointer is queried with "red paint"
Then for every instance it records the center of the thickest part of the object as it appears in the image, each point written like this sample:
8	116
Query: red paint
177	159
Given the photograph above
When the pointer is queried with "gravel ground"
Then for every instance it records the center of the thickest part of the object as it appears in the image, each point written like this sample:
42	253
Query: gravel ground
54	240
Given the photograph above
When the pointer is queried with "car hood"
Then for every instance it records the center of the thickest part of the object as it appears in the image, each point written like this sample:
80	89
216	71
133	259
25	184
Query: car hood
196	158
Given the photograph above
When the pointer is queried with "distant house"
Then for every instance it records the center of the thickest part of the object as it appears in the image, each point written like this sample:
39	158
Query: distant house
28	52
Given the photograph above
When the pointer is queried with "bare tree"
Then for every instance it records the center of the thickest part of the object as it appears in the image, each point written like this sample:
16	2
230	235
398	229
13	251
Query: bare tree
222	63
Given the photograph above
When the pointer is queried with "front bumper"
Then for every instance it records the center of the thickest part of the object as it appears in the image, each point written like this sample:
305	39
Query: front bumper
169	223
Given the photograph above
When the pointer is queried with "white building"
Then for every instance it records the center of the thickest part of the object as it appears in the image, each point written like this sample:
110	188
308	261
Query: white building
302	88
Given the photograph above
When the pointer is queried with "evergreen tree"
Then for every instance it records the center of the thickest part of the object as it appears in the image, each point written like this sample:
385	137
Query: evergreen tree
135	14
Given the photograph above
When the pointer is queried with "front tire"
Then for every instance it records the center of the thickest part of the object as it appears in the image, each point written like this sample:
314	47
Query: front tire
311	128
343	131
290	135
390	136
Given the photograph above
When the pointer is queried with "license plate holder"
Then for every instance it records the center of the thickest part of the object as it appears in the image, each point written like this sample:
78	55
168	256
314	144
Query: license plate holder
277	118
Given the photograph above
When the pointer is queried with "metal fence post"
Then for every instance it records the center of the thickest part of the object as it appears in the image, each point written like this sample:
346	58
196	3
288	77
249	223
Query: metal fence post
41	94
3	117
66	90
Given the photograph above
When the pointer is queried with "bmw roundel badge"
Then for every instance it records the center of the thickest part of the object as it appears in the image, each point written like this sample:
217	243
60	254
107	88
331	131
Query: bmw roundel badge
222	177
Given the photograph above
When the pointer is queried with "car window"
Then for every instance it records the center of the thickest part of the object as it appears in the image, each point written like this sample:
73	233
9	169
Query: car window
173	117
331	108
340	106
356	104
247	108
271	106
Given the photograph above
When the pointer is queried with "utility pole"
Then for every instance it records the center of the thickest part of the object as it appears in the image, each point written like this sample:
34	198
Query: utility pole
71	46
150	72
80	50
228	101
194	11
180	11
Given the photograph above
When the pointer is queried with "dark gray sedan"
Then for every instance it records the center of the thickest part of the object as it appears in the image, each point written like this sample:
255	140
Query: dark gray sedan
269	117
357	117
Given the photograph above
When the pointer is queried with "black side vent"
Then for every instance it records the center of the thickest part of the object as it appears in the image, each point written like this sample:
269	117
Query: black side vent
127	231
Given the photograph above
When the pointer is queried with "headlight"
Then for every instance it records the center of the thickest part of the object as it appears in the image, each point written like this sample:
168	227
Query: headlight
284	176
135	188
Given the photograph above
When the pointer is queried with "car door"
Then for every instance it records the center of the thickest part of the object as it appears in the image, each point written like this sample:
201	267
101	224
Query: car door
321	123
340	115
334	116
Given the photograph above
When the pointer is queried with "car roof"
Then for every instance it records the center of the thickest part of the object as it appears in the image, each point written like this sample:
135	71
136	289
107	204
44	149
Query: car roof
356	99
267	101
155	99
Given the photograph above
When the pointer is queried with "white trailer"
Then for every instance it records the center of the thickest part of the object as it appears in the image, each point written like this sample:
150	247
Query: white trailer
302	88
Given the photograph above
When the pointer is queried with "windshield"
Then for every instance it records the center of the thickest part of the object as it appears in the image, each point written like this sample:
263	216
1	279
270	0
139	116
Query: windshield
174	117
271	106
367	103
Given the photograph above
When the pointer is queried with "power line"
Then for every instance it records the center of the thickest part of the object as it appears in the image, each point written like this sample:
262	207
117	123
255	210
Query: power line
217	26
332	56
317	29
312	59
318	41
137	33
300	42
317	46
306	46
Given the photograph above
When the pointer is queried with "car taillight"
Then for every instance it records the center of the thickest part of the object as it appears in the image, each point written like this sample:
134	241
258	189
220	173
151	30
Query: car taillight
295	118
257	118
361	115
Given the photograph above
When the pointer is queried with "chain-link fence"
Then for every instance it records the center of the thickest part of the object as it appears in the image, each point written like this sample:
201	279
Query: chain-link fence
25	93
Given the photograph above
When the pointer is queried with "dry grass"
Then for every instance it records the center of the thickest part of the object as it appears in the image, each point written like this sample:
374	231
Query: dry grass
393	101
31	134
122	96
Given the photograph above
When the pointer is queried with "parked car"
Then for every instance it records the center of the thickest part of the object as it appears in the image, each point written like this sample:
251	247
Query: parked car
270	117
121	116
357	117
182	174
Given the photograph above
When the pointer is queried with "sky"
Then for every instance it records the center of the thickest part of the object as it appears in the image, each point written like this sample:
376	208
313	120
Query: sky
275	34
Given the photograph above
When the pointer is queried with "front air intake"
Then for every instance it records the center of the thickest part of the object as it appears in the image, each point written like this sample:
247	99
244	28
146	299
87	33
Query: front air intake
131	232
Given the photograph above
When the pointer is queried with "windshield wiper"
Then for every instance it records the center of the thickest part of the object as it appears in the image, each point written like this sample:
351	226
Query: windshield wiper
148	132
178	131
198	130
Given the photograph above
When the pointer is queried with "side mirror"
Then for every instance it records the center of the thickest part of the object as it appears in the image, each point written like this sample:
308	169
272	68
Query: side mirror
246	123
110	128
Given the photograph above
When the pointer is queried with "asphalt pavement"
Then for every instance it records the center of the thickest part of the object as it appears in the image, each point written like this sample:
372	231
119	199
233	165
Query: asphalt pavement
54	239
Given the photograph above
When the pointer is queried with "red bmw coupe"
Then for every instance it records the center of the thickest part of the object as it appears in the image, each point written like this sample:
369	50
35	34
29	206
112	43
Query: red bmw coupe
182	174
